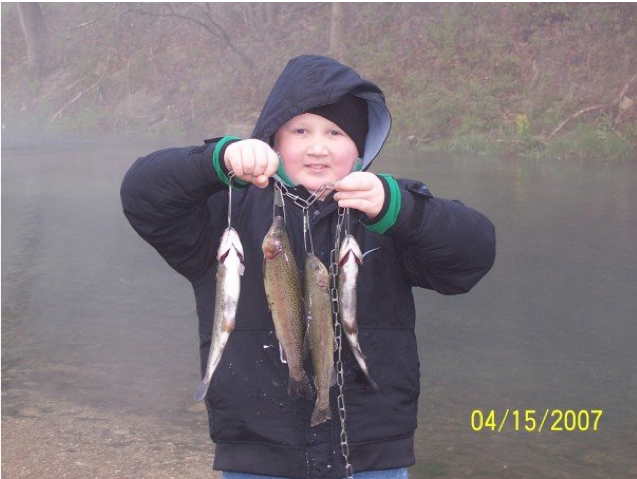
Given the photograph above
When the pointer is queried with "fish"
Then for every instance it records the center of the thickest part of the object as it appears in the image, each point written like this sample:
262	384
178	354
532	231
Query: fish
283	292
319	339
350	259
230	268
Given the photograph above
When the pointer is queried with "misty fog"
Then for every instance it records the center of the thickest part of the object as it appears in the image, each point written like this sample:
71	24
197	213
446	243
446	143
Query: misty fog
92	315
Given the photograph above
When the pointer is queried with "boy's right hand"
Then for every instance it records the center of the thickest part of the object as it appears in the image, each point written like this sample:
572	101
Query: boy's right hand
252	161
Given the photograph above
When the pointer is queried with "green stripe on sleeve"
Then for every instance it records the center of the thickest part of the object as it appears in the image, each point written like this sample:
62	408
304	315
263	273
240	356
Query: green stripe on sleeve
282	174
393	209
216	162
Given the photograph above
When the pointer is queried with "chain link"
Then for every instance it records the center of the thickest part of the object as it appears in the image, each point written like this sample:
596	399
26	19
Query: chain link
340	381
301	202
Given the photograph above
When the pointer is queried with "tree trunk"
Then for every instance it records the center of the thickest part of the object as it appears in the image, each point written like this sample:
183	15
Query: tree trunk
337	47
36	37
270	8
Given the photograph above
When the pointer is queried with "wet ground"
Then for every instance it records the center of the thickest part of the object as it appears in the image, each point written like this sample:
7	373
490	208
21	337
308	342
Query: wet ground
56	438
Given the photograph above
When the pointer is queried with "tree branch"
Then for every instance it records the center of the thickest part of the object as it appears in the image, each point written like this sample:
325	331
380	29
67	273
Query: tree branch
624	90
82	93
617	111
572	117
77	97
617	101
217	31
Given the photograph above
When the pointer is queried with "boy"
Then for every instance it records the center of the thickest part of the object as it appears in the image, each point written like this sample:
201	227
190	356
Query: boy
327	124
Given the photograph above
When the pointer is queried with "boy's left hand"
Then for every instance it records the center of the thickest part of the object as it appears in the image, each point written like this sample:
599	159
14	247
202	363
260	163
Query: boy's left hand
362	191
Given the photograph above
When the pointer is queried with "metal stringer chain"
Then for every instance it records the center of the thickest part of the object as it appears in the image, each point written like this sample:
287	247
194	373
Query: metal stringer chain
333	271
230	176
338	334
301	202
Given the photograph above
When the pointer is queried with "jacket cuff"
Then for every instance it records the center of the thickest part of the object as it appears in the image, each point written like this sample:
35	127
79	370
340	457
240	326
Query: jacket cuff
220	165
283	175
388	214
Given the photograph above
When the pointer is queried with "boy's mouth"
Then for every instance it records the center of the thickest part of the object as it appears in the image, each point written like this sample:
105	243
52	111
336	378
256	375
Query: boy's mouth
316	168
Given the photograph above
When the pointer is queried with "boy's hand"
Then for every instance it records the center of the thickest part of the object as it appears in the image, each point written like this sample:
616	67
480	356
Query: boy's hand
362	191
252	161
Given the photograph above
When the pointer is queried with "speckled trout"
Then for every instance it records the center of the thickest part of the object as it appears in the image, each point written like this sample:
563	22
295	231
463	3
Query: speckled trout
319	339
229	271
349	260
283	291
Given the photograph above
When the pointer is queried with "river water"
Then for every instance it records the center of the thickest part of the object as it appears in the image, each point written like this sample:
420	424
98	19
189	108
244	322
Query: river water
91	314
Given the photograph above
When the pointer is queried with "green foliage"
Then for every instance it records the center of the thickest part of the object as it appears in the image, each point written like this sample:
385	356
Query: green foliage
629	132
470	143
468	77
81	122
522	125
593	142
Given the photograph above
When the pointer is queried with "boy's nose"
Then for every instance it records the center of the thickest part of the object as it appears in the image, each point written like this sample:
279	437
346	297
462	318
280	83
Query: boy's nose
317	147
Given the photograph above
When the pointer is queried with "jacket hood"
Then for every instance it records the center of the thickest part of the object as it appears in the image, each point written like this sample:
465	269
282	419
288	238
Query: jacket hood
309	81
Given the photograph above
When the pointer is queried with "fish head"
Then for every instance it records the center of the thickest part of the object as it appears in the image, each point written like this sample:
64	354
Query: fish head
317	270
274	239
229	241
349	250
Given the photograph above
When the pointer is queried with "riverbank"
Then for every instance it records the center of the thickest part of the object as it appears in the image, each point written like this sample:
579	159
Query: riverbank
57	438
550	80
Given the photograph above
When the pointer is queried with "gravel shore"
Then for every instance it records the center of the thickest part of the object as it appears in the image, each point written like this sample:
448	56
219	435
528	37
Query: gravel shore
54	438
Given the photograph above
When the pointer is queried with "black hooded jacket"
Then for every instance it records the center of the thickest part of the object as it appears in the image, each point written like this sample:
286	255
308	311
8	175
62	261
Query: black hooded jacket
177	200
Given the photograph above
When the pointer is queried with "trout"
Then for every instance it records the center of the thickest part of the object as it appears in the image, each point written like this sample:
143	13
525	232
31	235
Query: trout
320	334
283	291
229	271
349	259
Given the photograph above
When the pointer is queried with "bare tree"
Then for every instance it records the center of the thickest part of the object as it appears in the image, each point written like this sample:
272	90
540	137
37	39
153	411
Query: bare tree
202	15
259	16
270	12
36	37
337	47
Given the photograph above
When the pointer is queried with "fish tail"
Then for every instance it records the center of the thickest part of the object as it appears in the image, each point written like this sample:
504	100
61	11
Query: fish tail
201	391
297	388
360	358
319	415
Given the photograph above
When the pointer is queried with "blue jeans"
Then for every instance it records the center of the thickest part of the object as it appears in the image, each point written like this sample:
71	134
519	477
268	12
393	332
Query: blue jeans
386	474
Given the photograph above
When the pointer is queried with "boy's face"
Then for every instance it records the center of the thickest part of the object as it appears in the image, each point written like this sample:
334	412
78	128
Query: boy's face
315	151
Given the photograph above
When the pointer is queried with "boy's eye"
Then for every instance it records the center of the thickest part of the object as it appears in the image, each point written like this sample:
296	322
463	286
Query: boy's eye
335	133
300	131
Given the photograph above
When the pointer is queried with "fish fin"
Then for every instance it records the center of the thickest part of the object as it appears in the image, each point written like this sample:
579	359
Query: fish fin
201	391
361	360
358	352
351	330
319	416
372	383
282	355
306	391
227	326
306	347
300	388
333	377
366	253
